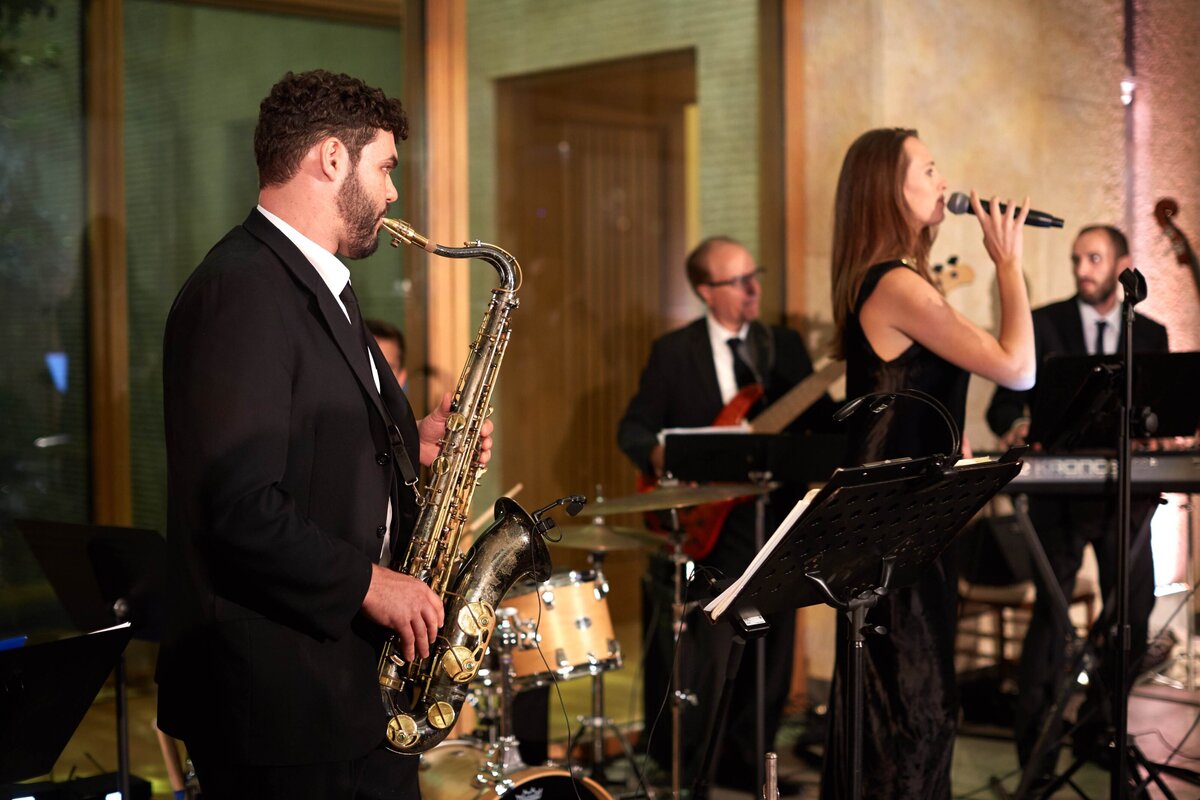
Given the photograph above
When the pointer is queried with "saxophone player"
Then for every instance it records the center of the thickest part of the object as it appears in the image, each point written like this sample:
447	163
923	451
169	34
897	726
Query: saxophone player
285	489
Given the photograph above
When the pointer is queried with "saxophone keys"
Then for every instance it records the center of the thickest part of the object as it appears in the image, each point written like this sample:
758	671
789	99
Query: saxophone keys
441	715
456	422
402	731
441	465
459	664
475	618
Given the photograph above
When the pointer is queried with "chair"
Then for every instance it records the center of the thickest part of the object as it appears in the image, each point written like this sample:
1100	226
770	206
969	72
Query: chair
1004	609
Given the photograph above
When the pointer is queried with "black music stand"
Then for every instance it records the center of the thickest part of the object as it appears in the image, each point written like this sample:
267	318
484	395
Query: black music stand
104	575
870	529
736	457
1079	397
45	690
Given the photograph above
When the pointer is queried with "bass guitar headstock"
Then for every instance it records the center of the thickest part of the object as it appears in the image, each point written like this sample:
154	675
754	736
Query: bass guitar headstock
952	274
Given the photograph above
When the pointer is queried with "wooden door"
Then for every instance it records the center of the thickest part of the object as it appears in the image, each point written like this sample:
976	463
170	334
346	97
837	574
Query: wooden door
592	202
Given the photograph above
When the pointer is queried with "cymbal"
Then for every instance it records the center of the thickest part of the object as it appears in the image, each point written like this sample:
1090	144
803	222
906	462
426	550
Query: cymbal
606	538
681	496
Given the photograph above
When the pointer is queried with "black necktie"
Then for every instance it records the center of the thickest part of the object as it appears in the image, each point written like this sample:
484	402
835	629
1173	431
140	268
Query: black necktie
741	370
349	300
1100	326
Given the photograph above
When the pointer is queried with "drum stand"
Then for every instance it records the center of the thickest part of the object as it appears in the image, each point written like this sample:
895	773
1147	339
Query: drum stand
598	723
678	696
503	754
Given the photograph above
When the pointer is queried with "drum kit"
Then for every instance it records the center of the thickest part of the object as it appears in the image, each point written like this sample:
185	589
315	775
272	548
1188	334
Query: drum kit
559	630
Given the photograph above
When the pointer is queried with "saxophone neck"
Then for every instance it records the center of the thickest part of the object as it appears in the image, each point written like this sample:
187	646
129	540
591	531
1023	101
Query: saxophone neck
501	260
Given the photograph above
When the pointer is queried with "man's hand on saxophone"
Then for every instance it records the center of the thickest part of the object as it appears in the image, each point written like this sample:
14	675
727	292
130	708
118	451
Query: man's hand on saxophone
405	605
433	427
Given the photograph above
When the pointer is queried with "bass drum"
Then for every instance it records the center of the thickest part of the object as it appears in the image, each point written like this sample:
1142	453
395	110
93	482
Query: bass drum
454	771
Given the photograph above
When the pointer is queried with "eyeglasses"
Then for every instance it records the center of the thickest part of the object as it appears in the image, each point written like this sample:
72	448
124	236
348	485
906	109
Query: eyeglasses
741	281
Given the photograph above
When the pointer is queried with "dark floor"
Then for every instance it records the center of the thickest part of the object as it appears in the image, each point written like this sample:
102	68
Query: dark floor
1161	720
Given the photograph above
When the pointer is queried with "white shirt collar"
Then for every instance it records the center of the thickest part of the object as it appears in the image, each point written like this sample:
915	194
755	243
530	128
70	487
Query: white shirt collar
1090	316
333	272
719	335
718	338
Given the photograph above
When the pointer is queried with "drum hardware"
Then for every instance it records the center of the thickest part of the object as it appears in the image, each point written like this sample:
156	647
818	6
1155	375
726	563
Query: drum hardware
504	756
679	695
599	723
458	769
770	789
574	636
671	497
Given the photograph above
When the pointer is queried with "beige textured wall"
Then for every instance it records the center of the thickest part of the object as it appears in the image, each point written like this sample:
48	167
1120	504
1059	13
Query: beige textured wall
1167	159
1013	98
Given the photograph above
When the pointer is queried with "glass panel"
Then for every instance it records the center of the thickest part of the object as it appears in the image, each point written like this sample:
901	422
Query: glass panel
44	444
194	77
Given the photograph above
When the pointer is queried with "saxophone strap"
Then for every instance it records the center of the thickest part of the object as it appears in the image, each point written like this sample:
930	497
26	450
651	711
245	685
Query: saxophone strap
399	451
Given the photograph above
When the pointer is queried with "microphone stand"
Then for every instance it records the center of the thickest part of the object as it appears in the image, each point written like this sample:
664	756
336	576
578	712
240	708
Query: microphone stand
1135	292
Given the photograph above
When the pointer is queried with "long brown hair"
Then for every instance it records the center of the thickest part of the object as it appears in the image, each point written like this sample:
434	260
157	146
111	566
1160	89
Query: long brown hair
870	219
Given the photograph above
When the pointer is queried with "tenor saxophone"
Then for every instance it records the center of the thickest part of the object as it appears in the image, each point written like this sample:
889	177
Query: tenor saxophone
422	698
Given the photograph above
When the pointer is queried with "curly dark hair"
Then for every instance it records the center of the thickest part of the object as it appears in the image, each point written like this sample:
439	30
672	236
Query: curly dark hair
302	109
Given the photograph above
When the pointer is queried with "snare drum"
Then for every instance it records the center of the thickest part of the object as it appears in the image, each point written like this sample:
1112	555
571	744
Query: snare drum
575	633
456	770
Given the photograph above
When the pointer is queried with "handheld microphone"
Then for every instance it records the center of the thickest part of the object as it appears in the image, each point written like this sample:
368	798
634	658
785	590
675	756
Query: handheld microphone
960	203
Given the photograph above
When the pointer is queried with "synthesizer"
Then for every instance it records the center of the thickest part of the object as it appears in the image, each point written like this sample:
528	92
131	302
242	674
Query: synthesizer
1164	471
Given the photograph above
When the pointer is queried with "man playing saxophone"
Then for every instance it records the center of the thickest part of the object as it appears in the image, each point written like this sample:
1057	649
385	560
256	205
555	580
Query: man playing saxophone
291	456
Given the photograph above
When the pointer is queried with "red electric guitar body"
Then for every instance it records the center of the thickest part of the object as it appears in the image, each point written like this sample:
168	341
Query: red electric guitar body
703	524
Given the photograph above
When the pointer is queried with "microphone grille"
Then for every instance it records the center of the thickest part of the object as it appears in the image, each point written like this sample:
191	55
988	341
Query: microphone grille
959	203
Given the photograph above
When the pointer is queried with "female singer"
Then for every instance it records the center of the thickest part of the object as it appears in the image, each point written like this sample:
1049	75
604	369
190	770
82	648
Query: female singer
896	331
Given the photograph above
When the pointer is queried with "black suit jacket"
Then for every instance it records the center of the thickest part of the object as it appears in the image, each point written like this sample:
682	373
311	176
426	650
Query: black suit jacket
679	389
279	476
1058	329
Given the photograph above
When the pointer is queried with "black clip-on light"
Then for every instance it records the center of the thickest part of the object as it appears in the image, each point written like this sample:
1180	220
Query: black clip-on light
882	400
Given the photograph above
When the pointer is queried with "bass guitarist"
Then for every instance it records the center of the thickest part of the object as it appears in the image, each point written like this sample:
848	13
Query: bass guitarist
722	366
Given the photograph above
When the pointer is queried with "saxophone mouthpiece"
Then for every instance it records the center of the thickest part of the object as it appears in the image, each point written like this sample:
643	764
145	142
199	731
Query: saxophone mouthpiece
403	233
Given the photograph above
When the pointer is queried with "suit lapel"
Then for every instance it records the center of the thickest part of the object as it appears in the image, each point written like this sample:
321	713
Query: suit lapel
700	352
346	338
1070	328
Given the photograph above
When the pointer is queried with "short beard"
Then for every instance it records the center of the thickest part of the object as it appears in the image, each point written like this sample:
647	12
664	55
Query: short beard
1104	292
359	219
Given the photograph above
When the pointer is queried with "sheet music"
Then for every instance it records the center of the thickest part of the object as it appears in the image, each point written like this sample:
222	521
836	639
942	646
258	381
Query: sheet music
741	427
718	605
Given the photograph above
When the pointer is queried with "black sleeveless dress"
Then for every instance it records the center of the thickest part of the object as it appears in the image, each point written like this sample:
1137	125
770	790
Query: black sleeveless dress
910	699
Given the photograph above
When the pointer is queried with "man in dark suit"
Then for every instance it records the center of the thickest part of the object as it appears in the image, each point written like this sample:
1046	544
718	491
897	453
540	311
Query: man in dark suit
692	374
285	488
1087	324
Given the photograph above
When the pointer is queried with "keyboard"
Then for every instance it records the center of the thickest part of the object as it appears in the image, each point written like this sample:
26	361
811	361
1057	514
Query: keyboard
1165	471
